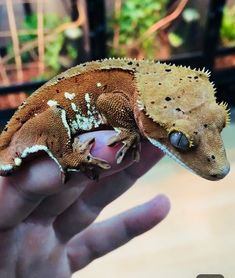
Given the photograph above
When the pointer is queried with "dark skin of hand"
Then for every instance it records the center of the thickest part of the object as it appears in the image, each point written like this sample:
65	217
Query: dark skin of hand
47	228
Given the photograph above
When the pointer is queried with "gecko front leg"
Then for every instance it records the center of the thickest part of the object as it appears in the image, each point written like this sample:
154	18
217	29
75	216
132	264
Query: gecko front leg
130	140
116	109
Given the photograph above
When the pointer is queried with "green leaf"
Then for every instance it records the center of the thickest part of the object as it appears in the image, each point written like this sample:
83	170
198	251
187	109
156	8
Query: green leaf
228	31
175	40
134	20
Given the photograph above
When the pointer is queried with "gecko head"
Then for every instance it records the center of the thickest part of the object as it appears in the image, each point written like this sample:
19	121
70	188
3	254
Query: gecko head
185	122
198	147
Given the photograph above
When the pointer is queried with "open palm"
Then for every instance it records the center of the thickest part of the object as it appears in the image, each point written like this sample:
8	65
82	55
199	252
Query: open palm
47	228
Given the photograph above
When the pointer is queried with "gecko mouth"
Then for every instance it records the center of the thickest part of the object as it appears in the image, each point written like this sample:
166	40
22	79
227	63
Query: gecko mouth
178	160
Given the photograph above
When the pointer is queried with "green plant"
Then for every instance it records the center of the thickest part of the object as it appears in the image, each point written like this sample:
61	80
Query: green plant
133	20
175	39
52	49
228	27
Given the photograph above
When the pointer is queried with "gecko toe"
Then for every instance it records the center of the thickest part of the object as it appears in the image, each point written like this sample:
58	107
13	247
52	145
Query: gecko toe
113	140
136	152
121	153
136	155
83	146
99	162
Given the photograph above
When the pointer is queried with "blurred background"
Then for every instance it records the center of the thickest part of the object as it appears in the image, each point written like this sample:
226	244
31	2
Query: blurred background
39	39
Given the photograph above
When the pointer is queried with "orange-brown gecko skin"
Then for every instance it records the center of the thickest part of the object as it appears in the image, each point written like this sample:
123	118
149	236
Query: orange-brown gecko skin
173	107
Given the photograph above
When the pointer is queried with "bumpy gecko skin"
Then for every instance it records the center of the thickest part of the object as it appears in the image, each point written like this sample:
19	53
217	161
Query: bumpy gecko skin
173	107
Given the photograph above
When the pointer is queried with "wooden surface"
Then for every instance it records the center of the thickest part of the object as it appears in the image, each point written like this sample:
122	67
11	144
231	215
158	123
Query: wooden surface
198	236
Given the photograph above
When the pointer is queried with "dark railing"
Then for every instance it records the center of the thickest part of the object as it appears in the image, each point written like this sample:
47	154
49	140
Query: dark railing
97	28
224	79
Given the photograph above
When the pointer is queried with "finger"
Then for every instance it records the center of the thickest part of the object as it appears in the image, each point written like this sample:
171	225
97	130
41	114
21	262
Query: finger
95	197
101	238
15	202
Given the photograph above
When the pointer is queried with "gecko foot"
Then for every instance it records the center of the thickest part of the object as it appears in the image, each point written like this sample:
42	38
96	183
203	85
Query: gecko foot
130	140
83	160
79	158
84	148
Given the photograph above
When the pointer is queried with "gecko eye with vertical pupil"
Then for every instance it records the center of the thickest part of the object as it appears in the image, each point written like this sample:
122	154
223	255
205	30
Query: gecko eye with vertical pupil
179	140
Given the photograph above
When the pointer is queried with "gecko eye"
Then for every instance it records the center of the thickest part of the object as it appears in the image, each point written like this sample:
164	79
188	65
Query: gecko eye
179	140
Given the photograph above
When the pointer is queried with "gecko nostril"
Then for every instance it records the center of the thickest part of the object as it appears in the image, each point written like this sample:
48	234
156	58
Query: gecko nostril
214	176
210	157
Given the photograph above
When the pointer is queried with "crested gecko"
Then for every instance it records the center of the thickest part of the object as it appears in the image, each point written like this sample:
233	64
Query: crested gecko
174	107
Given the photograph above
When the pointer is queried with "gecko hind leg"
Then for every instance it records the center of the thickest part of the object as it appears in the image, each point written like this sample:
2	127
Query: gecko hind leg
53	136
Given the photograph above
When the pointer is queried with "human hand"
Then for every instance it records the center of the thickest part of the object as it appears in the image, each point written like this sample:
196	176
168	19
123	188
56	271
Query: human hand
46	227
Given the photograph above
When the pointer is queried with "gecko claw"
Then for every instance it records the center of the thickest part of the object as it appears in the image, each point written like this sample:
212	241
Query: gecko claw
91	173
64	177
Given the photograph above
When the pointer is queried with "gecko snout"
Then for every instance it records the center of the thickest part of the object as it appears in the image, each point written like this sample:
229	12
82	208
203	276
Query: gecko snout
222	173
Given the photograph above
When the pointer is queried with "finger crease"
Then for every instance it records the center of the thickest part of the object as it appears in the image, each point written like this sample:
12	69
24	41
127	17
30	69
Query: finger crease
129	230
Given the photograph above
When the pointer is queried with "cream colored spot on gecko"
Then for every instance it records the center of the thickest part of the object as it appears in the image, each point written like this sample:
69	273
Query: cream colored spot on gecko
18	161
69	96
6	167
52	102
87	98
74	107
93	119
64	121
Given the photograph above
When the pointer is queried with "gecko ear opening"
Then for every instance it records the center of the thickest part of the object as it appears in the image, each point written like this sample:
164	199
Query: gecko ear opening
179	140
